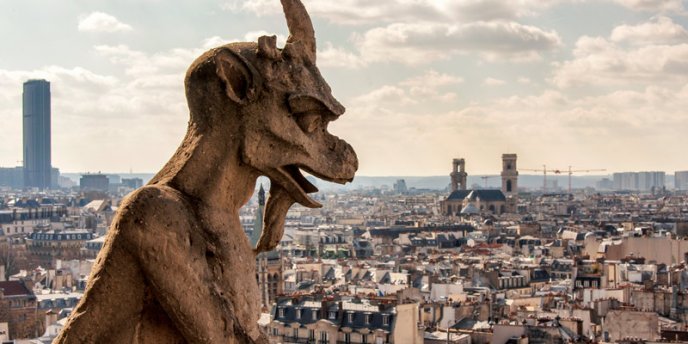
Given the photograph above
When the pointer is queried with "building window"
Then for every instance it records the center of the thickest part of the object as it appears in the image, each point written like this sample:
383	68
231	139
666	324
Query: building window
298	313
367	319
333	315
324	337
385	319
275	332
311	334
295	333
281	312
347	338
315	314
350	317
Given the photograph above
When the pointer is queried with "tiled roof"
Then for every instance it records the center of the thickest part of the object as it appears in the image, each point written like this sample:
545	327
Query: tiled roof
458	194
308	315
487	195
14	288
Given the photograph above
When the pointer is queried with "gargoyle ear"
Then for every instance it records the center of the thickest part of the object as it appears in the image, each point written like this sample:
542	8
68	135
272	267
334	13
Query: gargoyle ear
238	75
267	46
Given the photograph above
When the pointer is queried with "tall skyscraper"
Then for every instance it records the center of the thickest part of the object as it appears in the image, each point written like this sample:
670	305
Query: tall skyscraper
37	159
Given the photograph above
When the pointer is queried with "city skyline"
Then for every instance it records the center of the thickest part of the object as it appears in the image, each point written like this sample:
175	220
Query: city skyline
423	82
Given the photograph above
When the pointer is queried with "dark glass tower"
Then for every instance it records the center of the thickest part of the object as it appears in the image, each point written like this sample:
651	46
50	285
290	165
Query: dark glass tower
37	161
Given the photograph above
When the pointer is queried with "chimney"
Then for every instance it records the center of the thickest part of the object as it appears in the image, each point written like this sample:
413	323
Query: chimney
340	312
323	309
50	317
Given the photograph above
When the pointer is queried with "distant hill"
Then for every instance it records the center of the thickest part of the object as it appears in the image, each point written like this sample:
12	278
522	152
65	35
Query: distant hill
528	181
442	182
144	176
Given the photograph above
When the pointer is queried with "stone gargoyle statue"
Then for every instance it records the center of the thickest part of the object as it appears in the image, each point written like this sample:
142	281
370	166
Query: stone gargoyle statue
176	266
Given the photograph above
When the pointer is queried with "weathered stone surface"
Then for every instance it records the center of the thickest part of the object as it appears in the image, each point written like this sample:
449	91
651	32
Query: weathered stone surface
176	266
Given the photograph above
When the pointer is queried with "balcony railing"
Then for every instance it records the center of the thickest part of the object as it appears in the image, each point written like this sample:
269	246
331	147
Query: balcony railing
300	340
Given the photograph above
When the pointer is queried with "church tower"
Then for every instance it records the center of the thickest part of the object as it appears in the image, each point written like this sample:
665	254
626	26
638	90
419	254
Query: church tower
269	267
258	223
510	181
458	175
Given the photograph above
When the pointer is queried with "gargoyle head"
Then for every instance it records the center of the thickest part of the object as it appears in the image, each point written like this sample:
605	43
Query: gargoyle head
275	104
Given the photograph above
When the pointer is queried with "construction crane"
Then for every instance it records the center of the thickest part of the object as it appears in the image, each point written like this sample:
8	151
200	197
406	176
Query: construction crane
571	172
544	171
485	178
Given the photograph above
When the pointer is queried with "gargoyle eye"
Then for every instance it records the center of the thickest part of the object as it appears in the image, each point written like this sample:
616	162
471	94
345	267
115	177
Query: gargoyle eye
309	112
308	121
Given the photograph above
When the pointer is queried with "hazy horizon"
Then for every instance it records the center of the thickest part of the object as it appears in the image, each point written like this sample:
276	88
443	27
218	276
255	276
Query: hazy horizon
436	182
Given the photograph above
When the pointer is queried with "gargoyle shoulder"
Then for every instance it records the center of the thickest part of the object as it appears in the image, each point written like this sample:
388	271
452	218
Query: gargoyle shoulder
149	211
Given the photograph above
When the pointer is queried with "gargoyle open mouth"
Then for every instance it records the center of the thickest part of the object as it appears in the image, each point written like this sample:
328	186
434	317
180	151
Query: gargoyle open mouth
293	174
288	185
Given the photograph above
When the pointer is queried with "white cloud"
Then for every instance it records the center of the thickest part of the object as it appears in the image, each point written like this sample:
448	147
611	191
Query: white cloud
424	89
524	80
432	78
336	57
653	5
424	31
429	86
361	12
427	42
252	36
214	41
600	62
660	30
138	63
385	95
102	22
493	82
654	52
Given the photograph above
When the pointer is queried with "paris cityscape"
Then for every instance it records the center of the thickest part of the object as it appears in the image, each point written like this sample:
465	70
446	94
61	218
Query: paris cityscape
566	226
490	262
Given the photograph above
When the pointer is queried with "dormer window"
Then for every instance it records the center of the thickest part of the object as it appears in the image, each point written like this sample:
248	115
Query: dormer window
367	319
280	311
314	314
333	315
385	319
298	313
350	317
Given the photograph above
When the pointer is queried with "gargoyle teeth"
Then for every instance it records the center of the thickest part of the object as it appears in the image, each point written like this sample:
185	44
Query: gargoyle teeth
295	173
297	185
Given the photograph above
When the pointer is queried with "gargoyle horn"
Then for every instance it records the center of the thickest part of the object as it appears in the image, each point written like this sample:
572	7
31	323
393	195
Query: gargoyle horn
301	41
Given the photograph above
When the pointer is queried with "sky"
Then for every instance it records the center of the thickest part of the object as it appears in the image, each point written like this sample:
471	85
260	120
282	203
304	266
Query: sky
591	84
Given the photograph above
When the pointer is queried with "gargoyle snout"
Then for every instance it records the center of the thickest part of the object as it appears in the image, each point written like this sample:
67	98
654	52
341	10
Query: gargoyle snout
341	162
